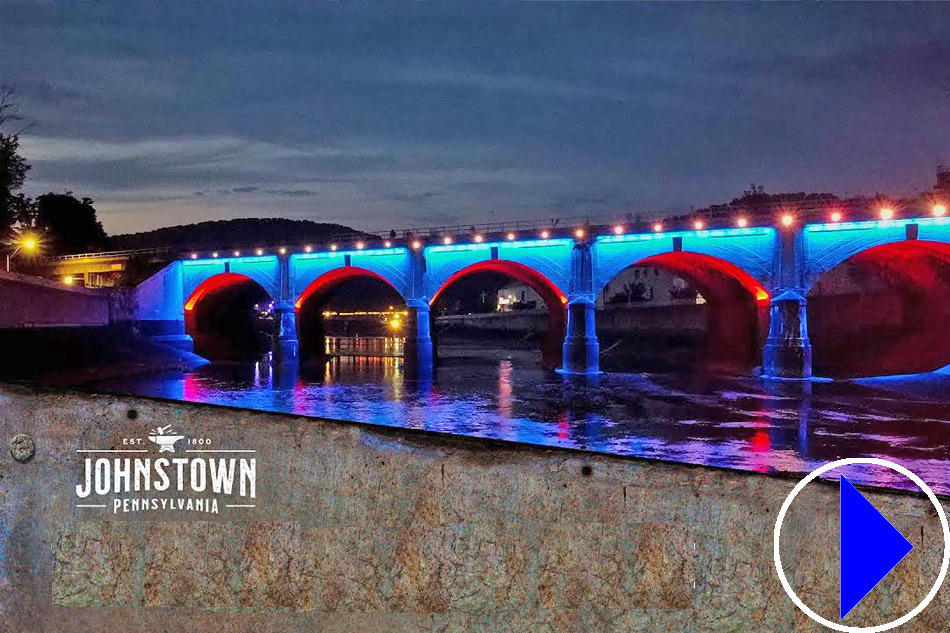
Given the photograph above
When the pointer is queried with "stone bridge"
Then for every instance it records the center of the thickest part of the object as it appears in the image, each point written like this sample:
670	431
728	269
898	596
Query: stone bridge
756	279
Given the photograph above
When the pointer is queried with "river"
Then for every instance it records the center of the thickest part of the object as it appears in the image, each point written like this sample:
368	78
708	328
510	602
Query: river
737	422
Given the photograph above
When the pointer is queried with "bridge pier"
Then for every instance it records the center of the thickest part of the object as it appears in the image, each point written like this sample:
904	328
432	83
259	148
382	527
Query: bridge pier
169	333
285	347
581	354
417	348
581	347
787	352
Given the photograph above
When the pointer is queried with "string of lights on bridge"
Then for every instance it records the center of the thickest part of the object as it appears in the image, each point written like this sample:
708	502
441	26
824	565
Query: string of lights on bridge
787	218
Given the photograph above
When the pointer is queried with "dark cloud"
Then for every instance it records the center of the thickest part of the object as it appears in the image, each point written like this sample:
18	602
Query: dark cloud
418	113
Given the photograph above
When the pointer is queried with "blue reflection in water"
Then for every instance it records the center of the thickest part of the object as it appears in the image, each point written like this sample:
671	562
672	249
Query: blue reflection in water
743	423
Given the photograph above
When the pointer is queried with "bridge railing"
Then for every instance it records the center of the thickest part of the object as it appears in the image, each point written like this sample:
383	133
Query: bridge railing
756	213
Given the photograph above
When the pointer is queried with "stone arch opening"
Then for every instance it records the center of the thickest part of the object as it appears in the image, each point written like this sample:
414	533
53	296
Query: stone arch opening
691	312
230	317
548	322
882	311
359	301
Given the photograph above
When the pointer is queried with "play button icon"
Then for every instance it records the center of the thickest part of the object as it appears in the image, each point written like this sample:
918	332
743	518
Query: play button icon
870	547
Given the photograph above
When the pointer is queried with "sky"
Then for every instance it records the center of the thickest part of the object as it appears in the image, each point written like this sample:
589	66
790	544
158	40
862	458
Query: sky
384	116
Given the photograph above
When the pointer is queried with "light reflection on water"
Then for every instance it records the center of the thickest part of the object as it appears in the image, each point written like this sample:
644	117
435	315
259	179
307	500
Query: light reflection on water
743	423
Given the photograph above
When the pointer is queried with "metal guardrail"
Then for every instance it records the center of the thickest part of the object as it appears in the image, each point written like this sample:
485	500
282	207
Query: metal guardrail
718	216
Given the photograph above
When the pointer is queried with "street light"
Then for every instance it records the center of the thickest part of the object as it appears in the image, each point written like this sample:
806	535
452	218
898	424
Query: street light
28	243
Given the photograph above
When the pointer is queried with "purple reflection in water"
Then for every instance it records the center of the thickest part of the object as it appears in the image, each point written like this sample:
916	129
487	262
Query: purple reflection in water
742	423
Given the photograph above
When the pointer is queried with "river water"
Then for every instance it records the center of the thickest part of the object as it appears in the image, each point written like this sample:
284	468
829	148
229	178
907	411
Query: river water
744	423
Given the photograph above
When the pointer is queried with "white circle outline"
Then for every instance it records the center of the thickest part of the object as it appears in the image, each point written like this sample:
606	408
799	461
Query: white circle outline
861	629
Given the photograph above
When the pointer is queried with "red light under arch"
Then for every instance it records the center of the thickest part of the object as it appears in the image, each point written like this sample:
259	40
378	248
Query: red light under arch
697	267
332	279
898	331
551	294
213	284
737	312
554	299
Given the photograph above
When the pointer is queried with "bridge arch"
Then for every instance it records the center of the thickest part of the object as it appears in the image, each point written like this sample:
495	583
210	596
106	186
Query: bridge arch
309	305
227	317
882	310
553	296
735	310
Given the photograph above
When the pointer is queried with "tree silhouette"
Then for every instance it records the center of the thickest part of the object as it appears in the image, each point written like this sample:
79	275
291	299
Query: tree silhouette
13	167
67	224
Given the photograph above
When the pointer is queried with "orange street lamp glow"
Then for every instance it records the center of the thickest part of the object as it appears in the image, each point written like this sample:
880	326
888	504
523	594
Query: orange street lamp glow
68	280
579	233
887	213
836	216
788	219
742	223
939	210
29	243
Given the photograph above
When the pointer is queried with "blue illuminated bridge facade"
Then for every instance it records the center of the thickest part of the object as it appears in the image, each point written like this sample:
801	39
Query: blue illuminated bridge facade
770	268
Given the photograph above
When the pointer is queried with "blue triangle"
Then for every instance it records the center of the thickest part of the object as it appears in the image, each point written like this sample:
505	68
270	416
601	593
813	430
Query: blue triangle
870	547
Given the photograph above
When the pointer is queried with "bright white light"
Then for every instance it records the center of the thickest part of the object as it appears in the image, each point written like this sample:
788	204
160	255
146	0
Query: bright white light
579	233
545	234
308	249
332	247
447	240
698	225
282	250
360	245
618	230
416	245
836	216
387	243
939	210
788	219
259	252
887	213
511	237
742	223
478	239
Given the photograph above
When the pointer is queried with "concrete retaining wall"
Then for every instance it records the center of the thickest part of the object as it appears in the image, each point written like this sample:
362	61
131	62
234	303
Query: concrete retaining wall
31	301
360	528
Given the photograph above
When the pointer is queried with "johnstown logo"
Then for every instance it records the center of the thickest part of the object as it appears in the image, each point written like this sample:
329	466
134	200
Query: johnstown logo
197	477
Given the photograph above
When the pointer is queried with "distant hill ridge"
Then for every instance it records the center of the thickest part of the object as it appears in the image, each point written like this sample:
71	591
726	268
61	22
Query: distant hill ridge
239	233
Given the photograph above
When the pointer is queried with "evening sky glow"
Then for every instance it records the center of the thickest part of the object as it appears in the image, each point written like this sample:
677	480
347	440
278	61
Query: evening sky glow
382	116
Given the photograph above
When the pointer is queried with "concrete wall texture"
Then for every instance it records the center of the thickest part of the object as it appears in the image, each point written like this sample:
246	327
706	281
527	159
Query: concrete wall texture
360	528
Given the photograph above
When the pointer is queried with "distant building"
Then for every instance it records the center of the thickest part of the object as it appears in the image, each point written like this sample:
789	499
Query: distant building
650	286
638	285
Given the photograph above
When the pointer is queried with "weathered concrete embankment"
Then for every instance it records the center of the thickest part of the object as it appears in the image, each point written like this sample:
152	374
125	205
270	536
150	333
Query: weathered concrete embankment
361	528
